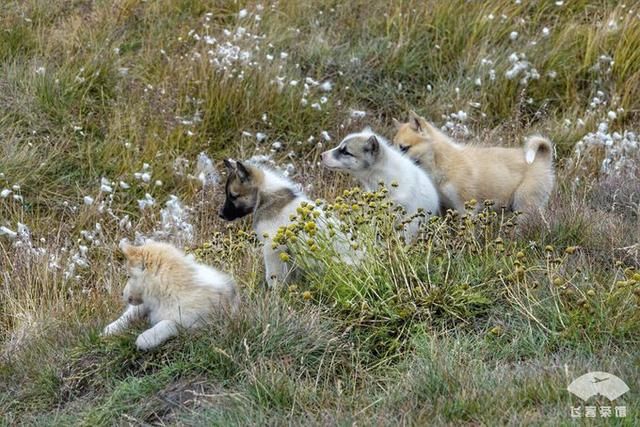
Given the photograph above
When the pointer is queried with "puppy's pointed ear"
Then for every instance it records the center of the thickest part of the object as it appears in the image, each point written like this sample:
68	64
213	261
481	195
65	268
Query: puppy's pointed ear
230	164
372	145
243	172
413	115
427	128
130	252
415	121
126	248
133	254
415	125
396	123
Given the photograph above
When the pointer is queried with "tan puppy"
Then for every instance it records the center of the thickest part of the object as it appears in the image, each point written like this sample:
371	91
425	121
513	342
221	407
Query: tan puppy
171	290
514	178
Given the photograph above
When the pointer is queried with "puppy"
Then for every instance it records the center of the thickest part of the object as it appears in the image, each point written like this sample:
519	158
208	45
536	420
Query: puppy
272	199
513	178
371	160
172	290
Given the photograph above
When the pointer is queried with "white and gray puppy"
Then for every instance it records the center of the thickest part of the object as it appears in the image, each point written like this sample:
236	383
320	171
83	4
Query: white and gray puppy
371	160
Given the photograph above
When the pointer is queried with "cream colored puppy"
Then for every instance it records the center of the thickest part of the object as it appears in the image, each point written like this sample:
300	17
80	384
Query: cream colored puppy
172	290
514	178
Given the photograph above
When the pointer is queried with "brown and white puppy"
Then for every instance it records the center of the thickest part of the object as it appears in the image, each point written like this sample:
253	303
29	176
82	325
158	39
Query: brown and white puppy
272	199
514	178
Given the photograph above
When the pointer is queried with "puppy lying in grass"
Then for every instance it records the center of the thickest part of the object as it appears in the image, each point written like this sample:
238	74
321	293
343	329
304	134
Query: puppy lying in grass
518	179
371	160
172	290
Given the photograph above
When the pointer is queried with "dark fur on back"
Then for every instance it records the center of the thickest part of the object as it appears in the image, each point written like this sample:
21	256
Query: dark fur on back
270	205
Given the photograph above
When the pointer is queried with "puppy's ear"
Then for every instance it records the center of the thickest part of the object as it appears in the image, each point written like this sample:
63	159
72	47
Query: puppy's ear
413	115
415	121
372	145
243	172
133	254
427	128
396	123
127	249
230	164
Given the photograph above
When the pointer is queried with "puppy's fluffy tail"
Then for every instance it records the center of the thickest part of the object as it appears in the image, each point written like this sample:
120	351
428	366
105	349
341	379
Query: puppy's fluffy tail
538	148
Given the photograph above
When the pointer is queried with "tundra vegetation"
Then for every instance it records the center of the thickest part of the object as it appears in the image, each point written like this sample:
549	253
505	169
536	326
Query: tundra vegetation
114	119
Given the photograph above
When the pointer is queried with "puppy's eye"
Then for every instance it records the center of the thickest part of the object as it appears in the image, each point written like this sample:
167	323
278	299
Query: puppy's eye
233	196
343	151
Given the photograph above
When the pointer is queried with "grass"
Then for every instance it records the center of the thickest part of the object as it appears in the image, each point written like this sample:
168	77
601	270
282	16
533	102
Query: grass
477	323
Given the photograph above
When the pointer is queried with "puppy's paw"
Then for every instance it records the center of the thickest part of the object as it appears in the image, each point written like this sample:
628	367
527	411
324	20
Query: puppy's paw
145	342
111	329
271	282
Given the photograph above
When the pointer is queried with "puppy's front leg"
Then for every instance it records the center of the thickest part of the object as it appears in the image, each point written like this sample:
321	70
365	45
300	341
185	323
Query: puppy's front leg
411	231
131	314
275	268
452	197
159	333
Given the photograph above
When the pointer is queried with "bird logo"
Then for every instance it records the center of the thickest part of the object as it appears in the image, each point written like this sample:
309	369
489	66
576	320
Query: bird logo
598	383
599	380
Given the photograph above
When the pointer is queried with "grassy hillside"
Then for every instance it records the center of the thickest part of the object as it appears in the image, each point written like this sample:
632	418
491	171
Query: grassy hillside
114	119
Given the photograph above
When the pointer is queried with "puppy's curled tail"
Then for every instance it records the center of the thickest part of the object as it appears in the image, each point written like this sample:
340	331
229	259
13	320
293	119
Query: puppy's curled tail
537	147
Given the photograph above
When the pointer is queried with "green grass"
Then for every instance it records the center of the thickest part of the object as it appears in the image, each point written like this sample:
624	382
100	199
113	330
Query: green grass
459	328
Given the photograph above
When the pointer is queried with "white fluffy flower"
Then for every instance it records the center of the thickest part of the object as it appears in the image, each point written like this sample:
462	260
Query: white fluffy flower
326	86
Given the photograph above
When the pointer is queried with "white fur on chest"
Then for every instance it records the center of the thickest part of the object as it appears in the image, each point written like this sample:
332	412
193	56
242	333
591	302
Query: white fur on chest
270	226
408	185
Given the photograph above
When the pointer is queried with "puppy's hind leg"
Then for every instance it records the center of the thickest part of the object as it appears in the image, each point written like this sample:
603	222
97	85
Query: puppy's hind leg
532	195
450	198
159	333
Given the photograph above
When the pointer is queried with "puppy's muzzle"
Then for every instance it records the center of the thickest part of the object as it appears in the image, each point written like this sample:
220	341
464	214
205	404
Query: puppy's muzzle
134	300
